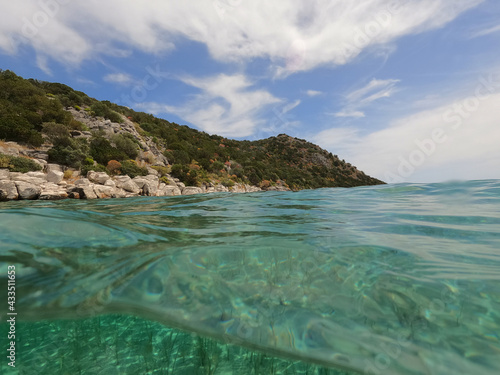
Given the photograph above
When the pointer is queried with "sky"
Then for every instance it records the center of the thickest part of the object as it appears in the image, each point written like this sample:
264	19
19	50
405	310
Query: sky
406	90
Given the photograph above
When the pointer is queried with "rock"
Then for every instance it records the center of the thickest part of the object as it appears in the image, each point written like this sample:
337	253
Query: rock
4	174
23	177
27	190
119	193
191	190
8	190
252	189
85	191
55	177
53	167
168	190
110	183
36	154
51	191
74	195
98	177
221	189
152	171
82	182
148	184
40	175
40	162
126	183
180	185
103	191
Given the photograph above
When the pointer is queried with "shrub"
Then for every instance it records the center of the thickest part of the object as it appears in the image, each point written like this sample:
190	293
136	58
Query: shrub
70	152
96	168
126	145
130	168
54	131
265	184
68	173
4	161
161	170
113	167
102	151
102	110
227	183
165	180
18	164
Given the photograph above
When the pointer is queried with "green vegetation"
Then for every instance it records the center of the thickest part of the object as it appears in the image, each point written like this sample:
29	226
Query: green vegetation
18	164
32	110
130	168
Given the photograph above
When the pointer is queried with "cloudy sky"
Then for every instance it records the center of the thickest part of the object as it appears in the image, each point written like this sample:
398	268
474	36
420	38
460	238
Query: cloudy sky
407	90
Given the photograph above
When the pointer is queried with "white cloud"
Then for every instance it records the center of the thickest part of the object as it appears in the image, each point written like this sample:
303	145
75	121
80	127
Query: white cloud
487	31
313	93
296	35
227	105
362	97
355	114
119	78
466	127
374	90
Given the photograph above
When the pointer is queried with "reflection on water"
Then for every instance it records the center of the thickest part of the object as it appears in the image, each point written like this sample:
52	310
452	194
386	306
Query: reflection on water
382	280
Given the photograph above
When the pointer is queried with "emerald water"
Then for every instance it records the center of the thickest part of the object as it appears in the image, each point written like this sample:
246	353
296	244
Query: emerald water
395	279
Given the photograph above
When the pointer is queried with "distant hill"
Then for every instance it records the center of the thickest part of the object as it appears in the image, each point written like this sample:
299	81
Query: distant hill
84	133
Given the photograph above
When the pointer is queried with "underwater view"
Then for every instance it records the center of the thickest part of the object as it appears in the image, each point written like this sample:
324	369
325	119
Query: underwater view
394	279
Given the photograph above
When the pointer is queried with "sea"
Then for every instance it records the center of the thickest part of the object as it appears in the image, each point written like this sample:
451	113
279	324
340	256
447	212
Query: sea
394	280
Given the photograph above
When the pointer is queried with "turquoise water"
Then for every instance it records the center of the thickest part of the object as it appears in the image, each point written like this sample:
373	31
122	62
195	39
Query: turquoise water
395	279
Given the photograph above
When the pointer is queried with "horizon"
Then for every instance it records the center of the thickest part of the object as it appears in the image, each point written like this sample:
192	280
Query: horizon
407	93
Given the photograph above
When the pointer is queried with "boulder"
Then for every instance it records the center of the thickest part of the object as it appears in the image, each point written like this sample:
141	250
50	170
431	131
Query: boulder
82	182
148	184
84	192
8	190
27	190
180	185
126	183
4	174
191	190
55	177
110	183
118	193
168	190
103	191
23	177
53	167
98	177
152	171
51	191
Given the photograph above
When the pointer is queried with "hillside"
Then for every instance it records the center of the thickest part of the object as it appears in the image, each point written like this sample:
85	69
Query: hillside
64	126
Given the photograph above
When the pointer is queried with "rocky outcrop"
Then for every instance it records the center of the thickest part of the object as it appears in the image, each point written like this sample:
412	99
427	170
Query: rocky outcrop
99	185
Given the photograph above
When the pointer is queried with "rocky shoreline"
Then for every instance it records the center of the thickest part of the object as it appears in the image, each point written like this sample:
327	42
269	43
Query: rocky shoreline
51	185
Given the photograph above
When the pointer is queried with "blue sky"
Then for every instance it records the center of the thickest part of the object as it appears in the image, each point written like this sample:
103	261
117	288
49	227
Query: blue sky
405	90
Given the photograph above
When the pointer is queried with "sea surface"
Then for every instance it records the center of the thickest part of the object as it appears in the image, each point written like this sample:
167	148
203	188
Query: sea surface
393	279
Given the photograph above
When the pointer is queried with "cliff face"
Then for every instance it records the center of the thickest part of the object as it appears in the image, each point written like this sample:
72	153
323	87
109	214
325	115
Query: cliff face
54	124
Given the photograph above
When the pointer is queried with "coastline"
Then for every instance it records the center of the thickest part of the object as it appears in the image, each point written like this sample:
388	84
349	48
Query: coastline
51	185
